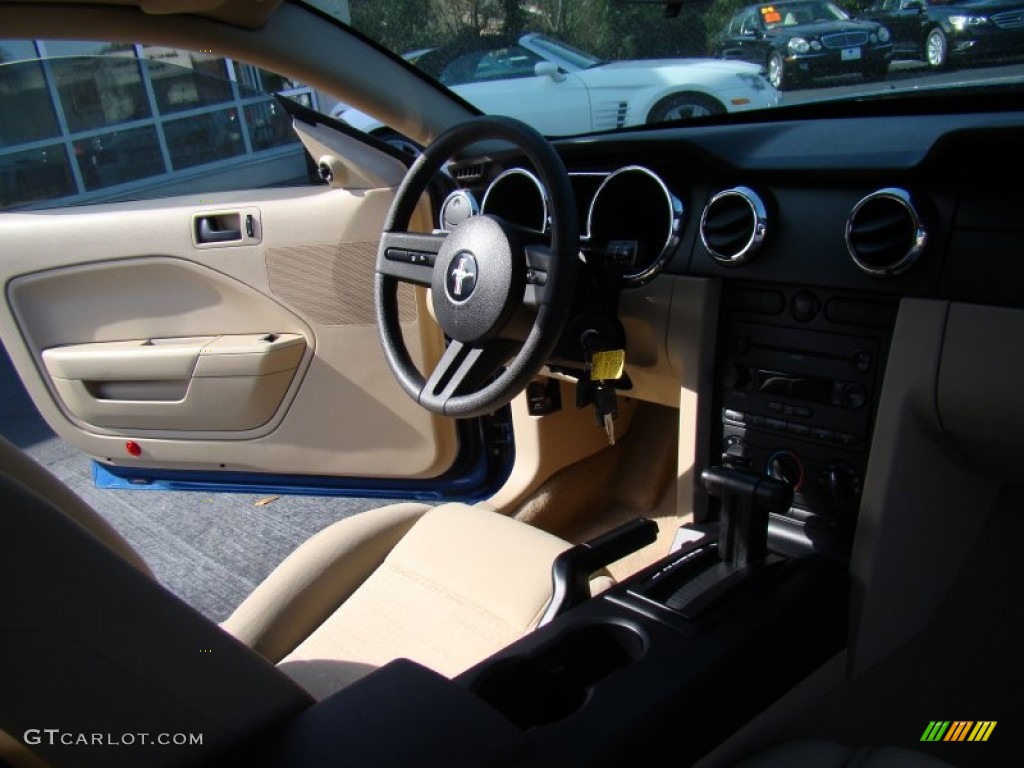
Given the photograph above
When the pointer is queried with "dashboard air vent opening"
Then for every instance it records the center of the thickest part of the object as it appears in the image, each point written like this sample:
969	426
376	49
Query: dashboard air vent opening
884	234
469	172
733	226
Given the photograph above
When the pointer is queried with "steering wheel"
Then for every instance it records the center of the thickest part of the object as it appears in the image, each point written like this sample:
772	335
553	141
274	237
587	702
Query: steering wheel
485	277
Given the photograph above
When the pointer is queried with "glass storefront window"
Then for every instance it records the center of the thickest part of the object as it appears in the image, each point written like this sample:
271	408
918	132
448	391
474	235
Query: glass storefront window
258	79
199	139
100	91
22	83
118	156
35	174
186	80
17	50
88	121
269	125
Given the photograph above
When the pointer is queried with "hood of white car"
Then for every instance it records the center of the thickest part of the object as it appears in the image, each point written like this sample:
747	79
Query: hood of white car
707	65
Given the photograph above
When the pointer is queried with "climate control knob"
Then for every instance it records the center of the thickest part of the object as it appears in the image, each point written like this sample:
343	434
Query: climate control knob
840	481
786	467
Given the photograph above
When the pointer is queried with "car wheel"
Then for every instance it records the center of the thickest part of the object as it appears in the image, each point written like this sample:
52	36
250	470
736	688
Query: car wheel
682	106
777	71
936	49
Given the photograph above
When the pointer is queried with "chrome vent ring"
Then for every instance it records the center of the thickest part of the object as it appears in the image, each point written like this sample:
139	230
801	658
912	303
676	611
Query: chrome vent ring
733	226
884	233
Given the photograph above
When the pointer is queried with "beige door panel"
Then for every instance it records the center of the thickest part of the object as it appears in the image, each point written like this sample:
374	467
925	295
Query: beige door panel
232	382
121	327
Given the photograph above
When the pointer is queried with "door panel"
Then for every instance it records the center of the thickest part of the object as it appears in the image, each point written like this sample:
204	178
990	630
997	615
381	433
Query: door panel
205	383
124	327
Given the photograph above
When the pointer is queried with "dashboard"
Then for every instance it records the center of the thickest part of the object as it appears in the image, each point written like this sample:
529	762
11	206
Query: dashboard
815	231
626	215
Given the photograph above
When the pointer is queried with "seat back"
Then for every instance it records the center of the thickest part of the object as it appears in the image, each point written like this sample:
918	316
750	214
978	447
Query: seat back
90	644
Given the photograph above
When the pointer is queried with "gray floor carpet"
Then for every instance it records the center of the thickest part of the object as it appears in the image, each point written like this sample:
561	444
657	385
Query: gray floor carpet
211	549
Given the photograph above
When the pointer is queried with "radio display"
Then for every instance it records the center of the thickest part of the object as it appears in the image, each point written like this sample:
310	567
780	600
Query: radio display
807	388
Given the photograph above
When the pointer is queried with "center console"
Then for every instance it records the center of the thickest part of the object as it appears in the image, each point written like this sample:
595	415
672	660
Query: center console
796	390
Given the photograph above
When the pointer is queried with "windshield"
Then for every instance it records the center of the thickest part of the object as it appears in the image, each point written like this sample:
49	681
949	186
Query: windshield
566	52
584	66
791	14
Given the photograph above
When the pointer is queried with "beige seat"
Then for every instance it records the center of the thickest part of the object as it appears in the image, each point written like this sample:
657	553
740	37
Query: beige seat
444	586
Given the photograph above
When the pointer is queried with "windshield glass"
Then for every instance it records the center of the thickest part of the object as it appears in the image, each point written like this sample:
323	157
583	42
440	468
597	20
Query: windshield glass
572	67
567	52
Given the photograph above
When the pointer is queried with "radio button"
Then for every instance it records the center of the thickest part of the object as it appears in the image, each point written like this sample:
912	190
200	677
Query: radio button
800	430
753	420
803	411
776	407
805	306
737	455
731	415
777	424
845	438
822	434
854	396
861	361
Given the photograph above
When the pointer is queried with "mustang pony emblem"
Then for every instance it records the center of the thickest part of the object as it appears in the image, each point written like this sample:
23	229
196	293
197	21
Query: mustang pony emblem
462	277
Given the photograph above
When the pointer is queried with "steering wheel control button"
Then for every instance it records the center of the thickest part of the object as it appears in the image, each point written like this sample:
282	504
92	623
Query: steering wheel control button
461	277
479	279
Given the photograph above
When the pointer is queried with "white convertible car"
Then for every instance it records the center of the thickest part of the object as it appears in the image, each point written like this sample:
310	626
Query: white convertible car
560	90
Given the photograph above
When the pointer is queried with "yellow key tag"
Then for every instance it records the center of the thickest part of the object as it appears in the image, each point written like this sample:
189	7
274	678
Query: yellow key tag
607	365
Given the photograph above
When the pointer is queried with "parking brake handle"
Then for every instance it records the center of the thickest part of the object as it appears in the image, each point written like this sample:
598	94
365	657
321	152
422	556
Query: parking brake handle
573	568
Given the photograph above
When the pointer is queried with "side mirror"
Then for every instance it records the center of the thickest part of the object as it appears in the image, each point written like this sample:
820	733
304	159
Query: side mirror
914	5
548	69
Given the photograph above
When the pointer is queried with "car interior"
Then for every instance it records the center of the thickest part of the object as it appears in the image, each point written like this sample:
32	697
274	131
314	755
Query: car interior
760	371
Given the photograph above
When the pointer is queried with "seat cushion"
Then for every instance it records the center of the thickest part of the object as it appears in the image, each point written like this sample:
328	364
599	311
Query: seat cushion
463	583
309	585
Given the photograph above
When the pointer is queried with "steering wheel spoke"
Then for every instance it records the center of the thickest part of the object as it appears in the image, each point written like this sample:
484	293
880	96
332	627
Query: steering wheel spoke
465	368
409	256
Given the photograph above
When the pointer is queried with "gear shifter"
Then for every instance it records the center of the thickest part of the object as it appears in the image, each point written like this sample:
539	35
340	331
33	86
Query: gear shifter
747	499
704	575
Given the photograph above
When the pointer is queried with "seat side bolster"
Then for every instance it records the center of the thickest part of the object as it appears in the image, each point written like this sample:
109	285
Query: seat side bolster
22	469
310	584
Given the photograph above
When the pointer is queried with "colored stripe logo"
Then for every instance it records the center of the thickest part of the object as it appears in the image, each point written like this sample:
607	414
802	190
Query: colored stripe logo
958	730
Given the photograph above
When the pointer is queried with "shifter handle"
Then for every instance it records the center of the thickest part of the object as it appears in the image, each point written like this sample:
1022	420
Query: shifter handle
747	500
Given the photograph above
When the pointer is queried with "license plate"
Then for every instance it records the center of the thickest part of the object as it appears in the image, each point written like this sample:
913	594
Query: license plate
850	54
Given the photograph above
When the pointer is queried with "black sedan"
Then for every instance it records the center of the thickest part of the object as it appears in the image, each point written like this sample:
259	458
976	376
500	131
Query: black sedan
941	33
804	39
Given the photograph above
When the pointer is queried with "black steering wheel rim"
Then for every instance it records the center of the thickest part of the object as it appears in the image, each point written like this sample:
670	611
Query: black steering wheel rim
470	357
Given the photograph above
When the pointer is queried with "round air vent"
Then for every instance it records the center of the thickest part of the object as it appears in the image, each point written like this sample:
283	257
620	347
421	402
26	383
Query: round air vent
884	234
734	225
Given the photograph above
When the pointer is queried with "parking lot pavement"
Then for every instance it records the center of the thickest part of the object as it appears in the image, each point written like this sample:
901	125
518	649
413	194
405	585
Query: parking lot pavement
210	549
